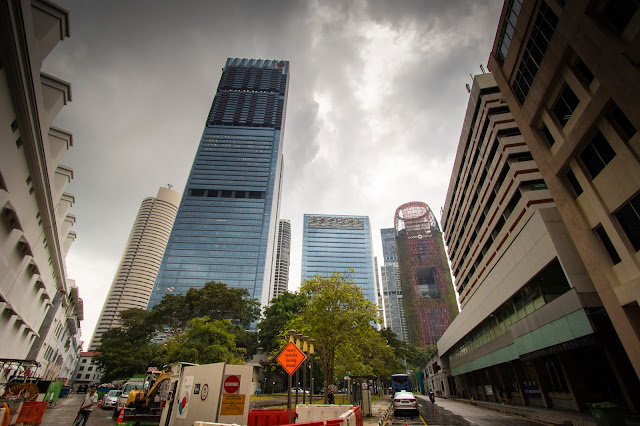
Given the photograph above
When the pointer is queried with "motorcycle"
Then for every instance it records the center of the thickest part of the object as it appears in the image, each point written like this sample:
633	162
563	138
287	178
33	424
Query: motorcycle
432	398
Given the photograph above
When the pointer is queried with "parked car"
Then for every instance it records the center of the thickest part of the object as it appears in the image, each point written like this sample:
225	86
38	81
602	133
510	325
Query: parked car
82	388
293	391
405	404
110	399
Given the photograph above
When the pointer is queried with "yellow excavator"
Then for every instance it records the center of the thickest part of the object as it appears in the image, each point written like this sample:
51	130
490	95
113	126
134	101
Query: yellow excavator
145	404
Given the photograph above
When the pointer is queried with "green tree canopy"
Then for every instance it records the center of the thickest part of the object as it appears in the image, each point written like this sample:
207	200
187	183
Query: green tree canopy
276	316
337	315
125	350
215	300
205	341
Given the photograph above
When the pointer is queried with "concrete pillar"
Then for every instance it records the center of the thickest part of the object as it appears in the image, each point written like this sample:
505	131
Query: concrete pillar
543	381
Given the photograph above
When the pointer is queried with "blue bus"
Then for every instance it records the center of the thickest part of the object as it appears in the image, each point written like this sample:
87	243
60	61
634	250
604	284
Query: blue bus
400	382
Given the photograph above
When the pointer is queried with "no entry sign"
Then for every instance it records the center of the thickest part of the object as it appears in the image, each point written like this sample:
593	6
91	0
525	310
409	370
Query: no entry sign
231	384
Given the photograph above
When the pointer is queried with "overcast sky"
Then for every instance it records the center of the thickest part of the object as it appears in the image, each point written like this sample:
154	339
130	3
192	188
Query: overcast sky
376	103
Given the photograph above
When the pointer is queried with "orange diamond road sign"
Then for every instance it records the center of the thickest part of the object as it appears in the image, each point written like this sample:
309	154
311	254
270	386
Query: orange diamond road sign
290	358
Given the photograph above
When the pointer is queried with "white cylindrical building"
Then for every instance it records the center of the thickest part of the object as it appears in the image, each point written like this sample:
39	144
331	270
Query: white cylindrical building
133	282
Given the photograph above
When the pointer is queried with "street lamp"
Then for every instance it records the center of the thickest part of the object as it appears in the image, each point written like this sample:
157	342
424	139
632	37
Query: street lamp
298	336
311	353
305	349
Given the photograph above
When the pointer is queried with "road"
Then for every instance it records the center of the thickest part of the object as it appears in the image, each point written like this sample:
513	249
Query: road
448	412
64	412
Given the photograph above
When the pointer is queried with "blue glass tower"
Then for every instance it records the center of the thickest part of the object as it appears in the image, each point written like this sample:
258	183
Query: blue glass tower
332	243
228	217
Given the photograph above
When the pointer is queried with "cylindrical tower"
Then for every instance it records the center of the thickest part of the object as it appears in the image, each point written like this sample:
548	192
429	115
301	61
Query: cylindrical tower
429	299
133	282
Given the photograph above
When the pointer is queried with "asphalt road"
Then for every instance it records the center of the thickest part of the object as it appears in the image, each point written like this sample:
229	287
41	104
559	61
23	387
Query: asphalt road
64	412
447	412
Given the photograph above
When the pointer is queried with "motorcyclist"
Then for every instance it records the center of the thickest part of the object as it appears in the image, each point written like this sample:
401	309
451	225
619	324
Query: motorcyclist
432	396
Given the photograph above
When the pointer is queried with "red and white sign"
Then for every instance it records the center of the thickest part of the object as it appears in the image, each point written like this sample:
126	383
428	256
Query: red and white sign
231	384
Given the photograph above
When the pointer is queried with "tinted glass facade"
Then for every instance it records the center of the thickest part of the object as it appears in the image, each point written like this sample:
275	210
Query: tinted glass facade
228	218
337	244
391	286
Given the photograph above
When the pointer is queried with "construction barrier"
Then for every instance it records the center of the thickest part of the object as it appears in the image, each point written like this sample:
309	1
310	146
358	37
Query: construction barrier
269	417
32	412
214	424
320	412
358	412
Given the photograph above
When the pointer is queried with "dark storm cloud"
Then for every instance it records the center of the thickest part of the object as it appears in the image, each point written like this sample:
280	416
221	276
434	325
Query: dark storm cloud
376	102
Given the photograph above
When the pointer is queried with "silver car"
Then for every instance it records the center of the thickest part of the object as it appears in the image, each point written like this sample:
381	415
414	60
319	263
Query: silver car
110	399
405	404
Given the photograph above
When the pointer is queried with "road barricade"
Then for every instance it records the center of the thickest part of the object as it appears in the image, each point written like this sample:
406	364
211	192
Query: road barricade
269	417
32	412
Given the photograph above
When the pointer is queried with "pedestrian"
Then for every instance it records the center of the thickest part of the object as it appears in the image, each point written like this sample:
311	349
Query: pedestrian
330	398
90	400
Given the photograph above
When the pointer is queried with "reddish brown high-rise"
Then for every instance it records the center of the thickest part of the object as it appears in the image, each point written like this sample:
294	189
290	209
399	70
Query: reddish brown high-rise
429	299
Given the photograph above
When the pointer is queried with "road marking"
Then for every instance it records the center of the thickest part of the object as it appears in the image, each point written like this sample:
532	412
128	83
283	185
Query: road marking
425	423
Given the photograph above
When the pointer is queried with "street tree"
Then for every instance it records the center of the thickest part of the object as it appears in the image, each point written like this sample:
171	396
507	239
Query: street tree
204	341
336	315
126	350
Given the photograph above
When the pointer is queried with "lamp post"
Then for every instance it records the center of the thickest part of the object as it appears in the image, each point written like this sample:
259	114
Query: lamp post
311	352
298	336
305	349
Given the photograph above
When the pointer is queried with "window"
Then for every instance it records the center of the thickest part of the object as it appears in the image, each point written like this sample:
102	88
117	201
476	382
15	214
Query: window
90	369
629	217
81	368
565	105
509	28
196	192
623	126
608	245
573	183
84	360
556	376
583	71
547	135
78	376
597	154
619	12
539	39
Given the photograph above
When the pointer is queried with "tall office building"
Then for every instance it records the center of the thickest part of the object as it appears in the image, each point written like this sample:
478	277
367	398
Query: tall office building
391	287
428	296
40	310
336	243
569	74
283	257
132	284
227	222
531	325
379	296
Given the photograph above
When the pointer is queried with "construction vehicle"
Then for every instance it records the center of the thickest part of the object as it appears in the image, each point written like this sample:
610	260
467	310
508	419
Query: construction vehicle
143	404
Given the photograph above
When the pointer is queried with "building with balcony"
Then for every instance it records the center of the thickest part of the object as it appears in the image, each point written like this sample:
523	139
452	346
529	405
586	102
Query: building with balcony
40	309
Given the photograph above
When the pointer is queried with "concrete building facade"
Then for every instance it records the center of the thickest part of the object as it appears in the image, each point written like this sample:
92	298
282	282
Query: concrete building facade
86	371
531	330
227	223
40	310
133	282
391	286
339	243
569	73
283	258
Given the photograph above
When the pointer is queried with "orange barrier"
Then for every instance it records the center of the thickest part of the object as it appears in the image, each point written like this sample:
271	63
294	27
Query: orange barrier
310	424
359	420
334	422
269	417
32	412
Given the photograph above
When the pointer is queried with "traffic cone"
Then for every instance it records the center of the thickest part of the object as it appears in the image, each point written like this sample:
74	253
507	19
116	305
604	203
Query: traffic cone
121	416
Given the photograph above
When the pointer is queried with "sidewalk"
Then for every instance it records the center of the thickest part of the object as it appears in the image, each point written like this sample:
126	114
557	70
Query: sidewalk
379	411
549	415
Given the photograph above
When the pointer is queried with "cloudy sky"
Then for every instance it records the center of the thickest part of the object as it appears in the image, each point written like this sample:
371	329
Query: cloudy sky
376	103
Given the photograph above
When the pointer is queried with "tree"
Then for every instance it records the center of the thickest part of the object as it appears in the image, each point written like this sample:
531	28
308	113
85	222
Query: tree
215	300
125	351
205	341
336	315
276	316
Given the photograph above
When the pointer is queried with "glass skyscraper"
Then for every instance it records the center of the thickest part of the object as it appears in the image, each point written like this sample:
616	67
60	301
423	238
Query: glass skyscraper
391	286
333	243
228	218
